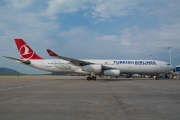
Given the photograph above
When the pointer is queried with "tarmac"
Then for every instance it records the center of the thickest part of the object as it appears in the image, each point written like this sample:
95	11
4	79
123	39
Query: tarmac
75	98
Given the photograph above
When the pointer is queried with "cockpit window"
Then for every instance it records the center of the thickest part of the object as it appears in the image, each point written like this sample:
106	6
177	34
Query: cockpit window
168	64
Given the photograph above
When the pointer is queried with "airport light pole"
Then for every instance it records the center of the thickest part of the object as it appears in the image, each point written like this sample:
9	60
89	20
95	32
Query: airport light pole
169	48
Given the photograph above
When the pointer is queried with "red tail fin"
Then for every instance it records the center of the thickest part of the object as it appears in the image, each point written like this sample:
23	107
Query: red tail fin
25	51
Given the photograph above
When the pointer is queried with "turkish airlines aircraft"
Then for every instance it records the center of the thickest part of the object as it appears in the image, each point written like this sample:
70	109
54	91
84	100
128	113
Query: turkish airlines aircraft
92	68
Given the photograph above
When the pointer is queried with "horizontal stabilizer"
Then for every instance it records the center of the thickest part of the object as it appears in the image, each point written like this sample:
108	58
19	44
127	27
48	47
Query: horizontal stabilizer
19	60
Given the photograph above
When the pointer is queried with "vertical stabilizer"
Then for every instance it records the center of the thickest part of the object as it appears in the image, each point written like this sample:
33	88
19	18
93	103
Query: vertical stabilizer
25	51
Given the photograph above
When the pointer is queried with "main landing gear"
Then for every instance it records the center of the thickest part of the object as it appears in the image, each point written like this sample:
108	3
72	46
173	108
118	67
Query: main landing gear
91	78
157	77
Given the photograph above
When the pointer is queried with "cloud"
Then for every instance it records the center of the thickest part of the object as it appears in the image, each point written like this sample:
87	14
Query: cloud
77	39
19	21
25	24
108	38
99	9
163	10
19	4
129	35
109	8
137	40
65	6
102	10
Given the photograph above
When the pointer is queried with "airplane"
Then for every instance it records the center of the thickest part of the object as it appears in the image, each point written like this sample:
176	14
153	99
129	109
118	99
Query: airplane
92	68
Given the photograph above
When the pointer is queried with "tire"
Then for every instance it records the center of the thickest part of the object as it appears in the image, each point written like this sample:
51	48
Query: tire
88	78
94	78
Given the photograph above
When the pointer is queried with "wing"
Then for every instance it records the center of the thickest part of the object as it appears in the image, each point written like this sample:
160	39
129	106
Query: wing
19	60
73	61
76	62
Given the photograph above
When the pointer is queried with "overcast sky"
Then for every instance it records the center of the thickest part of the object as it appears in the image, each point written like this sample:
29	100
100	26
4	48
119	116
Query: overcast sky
91	29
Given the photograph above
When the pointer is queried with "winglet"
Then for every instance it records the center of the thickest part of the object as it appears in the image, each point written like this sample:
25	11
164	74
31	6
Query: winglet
51	53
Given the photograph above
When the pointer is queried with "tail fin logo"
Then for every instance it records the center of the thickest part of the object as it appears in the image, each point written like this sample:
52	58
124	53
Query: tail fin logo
26	52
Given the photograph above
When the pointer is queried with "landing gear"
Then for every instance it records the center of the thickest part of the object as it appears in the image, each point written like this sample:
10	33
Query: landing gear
88	78
157	77
91	78
128	75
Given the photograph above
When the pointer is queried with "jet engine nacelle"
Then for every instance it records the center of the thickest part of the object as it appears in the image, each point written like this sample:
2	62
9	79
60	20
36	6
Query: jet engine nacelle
114	73
92	68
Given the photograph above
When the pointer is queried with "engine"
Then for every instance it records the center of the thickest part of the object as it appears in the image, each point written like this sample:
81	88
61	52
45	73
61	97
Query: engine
113	72
92	68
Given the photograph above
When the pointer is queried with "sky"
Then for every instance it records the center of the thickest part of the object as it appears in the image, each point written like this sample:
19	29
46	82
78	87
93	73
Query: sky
90	29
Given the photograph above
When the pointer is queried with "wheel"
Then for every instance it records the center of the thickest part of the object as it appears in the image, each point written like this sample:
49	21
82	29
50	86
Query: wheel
94	78
157	78
88	78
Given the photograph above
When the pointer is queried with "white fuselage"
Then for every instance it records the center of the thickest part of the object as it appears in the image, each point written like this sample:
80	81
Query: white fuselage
125	66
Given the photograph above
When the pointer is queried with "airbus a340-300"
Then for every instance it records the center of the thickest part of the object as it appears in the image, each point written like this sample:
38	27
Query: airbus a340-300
92	68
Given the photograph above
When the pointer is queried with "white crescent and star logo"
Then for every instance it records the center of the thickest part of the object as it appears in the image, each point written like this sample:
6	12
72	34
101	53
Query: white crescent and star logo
26	52
51	53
